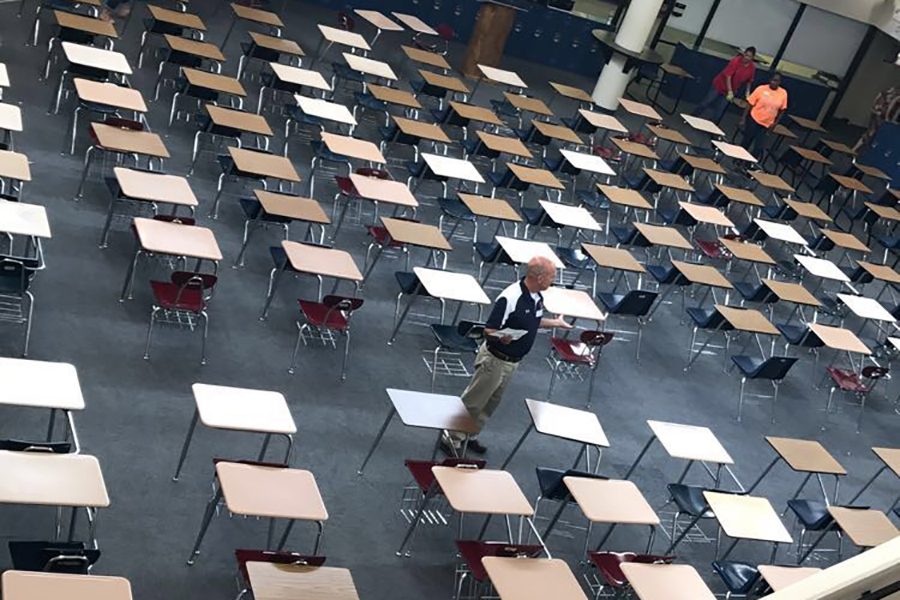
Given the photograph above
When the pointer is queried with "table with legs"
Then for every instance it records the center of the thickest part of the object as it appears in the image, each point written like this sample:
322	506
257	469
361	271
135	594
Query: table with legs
865	527
890	461
804	456
274	581
666	582
532	578
28	585
283	210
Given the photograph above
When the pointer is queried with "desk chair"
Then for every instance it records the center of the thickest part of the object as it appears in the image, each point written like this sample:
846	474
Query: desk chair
636	304
553	488
604	570
231	172
740	578
859	384
567	358
773	369
811	515
410	285
53	556
244	556
347	193
322	321
454	341
446	34
182	301
16	299
455	209
537	218
152	27
472	552
712	321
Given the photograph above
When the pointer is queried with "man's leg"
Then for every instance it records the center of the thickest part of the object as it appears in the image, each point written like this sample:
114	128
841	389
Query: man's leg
487	378
711	96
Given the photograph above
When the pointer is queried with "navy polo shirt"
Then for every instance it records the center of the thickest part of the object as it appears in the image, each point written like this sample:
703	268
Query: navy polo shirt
516	308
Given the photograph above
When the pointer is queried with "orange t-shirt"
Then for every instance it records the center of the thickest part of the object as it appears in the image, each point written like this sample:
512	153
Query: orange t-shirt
766	104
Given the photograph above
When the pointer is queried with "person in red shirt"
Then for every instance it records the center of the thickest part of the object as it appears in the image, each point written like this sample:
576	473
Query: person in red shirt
740	71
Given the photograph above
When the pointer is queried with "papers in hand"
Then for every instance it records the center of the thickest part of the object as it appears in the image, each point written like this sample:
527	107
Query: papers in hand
511	333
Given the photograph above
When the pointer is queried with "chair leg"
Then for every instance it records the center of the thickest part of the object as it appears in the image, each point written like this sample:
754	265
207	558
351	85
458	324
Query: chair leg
293	366
346	356
28	323
434	367
552	379
153	312
741	399
205	335
774	400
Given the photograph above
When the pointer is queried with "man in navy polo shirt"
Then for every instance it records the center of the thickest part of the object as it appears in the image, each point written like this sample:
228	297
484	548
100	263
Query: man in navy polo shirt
519	307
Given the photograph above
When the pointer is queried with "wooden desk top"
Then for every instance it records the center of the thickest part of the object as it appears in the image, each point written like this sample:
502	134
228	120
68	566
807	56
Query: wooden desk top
747	319
624	197
28	585
532	578
866	528
889	213
88	56
690	442
452	168
383	190
734	151
432	411
875	172
416	234
263	164
368	66
83	23
14	165
37	478
782	131
490	208
659	235
808	210
791	292
747	517
739	195
572	92
426	58
110	94
155	187
635	149
676	71
808	124
445	82
703	125
841	339
850	183
379	20
781	232
670	135
415	23
129	141
772	182
640	109
353	148
10	117
666	582
215	82
181	19
482	491
271	581
394	96
587	162
40	384
566	423
838	147
344	38
256	15
613	258
702	274
602	121
239	119
521	251
526	103
576	217
18	218
806	456
324	109
611	501
277	44
706	214
475	113
890	457
810	155
421	130
502	76
847	241
572	303
274	492
882	272
530	175
702	163
194	47
459	287
779	577
292	207
669	180
747	251
866	308
557	132
240	409
175	239
316	260
298	76
508	145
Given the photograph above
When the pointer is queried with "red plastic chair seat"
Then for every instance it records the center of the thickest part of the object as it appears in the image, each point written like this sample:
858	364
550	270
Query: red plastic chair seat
381	237
571	351
640	138
713	249
604	152
847	381
318	315
166	295
473	551
345	186
609	564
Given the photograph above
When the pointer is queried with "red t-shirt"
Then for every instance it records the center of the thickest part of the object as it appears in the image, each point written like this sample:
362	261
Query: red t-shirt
741	74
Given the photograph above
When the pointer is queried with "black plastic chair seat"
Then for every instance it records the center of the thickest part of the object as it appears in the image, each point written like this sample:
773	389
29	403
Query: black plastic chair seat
552	486
708	318
505	109
96	107
858	275
788	268
774	368
812	513
677	217
752	292
573	258
821	243
279	257
183	59
487	251
889	242
676	165
738	577
456	208
301	117
370	102
52	556
711	197
12	445
500	179
781	213
410	284
798	335
536	216
667	276
624	234
322	151
635	303
641	181
345	72
449	338
440	115
592	199
252	50
162	28
252	209
690	500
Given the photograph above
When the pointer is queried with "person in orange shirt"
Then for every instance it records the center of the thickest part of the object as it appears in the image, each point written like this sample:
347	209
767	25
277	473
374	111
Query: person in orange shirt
765	106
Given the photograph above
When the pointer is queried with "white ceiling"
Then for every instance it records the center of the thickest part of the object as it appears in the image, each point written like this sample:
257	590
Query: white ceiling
884	14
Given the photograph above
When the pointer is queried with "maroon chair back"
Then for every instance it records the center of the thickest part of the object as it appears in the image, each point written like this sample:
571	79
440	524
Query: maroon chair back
473	551
446	31
372	172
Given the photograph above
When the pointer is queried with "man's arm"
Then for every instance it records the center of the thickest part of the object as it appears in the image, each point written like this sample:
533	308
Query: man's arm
495	320
556	322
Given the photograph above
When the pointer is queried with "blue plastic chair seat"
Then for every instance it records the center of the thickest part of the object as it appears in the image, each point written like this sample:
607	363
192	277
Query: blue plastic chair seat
455	208
690	500
738	577
448	337
592	199
812	513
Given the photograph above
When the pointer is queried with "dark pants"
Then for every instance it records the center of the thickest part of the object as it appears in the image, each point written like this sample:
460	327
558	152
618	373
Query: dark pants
713	106
114	4
754	137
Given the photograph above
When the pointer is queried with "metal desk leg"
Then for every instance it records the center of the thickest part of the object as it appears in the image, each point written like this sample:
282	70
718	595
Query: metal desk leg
409	304
519	445
864	487
186	445
640	456
684	533
763	474
129	276
377	441
204	525
432	491
274	285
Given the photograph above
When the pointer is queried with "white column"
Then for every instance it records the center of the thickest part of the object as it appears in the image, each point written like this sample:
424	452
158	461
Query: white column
633	35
